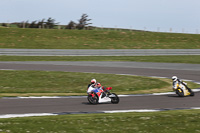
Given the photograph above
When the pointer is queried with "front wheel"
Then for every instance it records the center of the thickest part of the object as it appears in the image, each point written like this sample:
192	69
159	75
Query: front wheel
180	92
114	98
93	99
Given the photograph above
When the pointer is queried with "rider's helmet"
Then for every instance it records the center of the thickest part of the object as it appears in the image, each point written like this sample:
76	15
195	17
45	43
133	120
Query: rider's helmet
98	85
174	78
93	81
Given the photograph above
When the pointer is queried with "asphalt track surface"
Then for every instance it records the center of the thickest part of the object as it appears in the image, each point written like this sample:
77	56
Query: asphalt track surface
81	105
97	52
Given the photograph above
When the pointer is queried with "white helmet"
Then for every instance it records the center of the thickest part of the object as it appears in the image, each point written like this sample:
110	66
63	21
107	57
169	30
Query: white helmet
93	81
174	78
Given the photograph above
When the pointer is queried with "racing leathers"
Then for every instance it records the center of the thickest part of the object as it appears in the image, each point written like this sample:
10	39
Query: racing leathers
91	87
177	84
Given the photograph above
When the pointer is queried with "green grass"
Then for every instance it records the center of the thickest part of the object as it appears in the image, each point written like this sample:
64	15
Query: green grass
15	83
192	59
69	82
94	39
182	121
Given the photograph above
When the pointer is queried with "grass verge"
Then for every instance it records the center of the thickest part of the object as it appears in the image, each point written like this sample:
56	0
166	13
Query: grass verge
95	39
181	121
192	59
24	83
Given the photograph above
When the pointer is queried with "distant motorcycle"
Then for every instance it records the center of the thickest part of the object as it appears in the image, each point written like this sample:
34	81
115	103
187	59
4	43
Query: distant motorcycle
183	90
98	95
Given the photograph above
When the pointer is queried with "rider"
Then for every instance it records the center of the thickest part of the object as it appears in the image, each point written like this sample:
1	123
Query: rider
178	83
93	84
175	83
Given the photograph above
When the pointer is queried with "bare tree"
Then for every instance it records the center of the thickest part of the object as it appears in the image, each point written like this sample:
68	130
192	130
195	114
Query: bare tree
41	24
50	23
24	24
71	25
83	22
4	25
33	24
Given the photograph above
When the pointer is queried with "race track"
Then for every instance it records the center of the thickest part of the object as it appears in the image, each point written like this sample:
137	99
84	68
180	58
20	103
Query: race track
80	104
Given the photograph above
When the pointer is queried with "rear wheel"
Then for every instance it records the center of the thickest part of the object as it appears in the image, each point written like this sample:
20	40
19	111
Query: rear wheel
114	98
93	99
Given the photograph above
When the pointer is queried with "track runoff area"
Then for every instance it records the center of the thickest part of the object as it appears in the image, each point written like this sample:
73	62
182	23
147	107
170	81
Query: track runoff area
83	53
106	111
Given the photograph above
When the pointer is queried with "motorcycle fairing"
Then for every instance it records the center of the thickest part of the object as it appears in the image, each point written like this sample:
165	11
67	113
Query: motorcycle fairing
183	88
99	91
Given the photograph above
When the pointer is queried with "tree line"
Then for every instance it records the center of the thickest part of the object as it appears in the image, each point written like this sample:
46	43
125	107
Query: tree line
50	23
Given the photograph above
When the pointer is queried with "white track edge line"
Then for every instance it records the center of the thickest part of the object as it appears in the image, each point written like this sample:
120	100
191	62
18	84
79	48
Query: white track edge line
111	111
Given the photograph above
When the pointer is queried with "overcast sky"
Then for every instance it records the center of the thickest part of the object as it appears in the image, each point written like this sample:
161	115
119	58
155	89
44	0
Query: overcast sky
154	15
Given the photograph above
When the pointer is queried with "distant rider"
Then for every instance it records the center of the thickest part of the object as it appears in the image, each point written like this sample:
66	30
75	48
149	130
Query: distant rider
178	83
